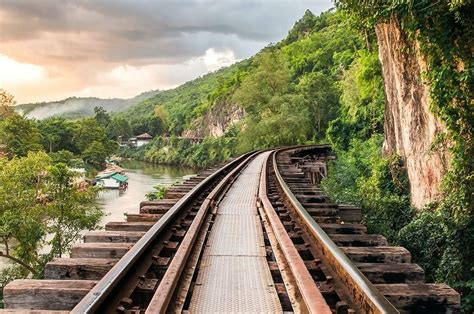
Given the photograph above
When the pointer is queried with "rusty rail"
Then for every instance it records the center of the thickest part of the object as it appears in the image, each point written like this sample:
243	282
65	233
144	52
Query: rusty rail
313	299
364	292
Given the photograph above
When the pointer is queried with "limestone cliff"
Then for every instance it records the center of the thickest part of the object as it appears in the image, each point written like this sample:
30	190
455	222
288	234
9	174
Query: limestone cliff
216	121
410	127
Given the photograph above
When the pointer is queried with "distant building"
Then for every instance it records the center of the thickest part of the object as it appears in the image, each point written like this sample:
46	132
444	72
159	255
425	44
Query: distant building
140	140
112	181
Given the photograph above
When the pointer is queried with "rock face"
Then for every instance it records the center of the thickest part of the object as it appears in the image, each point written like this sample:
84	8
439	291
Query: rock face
216	121
410	127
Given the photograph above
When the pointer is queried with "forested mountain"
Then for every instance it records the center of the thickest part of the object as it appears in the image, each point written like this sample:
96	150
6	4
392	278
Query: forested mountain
184	103
323	44
292	87
77	107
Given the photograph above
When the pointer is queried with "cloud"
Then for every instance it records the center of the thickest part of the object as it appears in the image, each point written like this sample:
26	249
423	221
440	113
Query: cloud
81	41
215	60
17	73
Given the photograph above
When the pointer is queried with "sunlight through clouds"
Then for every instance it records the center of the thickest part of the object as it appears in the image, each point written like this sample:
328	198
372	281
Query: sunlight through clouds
215	60
13	72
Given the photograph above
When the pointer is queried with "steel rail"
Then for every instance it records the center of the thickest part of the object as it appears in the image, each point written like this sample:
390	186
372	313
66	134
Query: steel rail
93	300
365	293
312	297
167	286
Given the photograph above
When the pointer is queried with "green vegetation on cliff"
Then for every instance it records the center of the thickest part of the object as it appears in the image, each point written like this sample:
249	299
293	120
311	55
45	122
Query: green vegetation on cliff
183	103
289	92
361	175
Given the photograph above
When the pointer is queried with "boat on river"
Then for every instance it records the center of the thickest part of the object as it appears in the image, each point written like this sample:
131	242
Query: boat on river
113	180
113	177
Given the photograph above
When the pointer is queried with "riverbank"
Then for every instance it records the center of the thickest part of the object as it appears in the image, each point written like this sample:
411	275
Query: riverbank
184	152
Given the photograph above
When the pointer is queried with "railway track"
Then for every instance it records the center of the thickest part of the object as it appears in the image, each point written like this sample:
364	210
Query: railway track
256	235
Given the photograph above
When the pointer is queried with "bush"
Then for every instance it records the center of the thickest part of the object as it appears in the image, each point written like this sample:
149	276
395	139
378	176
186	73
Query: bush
158	194
442	244
362	176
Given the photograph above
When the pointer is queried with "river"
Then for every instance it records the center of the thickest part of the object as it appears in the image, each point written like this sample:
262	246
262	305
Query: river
142	177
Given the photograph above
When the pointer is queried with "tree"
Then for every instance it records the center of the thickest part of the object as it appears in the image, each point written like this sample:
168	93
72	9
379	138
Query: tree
21	210
362	102
162	114
149	124
87	131
271	78
322	99
68	158
95	153
57	134
19	135
275	115
119	127
7	102
37	199
92	142
154	125
289	124
303	27
101	116
71	209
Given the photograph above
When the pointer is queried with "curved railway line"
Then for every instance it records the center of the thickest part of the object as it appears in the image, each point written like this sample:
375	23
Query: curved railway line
254	235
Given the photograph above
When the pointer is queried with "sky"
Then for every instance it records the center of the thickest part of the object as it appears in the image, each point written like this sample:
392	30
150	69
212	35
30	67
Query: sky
54	49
